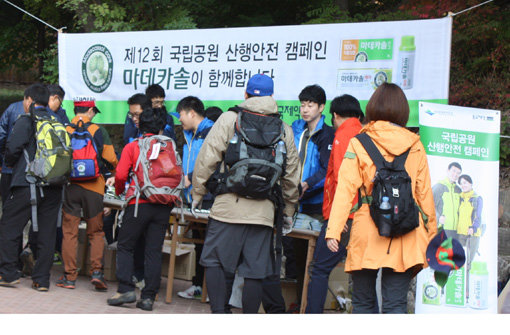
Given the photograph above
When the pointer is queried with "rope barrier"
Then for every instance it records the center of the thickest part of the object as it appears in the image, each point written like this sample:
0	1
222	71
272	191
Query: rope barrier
35	17
468	9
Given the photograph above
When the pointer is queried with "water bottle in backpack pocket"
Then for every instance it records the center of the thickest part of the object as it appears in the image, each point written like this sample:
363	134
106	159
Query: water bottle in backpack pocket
384	217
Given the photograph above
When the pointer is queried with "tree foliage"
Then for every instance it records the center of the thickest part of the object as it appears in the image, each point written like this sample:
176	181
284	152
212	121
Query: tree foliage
479	75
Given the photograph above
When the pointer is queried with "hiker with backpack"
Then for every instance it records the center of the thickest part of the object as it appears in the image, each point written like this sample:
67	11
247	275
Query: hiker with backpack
346	118
257	191
10	115
396	220
38	151
154	168
93	155
195	128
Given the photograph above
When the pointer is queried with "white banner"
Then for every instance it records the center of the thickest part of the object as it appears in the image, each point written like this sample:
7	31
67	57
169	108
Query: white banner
462	145
215	64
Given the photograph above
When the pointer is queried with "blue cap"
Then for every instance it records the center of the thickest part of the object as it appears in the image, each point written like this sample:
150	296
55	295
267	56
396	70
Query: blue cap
260	85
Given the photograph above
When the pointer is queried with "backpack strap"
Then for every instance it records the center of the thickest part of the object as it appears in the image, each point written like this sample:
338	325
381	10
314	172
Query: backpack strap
371	150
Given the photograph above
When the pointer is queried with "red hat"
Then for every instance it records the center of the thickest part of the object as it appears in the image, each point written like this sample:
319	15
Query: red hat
86	102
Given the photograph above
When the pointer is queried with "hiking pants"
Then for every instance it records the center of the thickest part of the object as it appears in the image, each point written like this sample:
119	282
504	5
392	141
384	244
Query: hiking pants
272	297
95	234
324	261
152	221
198	278
394	288
78	203
5	190
16	213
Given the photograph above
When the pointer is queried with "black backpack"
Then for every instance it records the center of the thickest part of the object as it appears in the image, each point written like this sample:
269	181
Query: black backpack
391	180
256	156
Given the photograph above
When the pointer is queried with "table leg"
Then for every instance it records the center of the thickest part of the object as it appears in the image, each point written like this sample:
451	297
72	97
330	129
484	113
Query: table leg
204	290
306	279
171	265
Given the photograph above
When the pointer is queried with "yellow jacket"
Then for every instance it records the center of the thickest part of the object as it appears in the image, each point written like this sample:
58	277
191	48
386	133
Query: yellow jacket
367	249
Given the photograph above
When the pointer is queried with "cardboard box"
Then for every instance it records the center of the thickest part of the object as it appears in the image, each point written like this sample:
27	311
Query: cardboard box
184	260
110	264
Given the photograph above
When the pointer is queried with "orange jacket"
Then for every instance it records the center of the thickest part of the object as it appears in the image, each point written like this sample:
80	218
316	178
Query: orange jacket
108	154
343	134
366	249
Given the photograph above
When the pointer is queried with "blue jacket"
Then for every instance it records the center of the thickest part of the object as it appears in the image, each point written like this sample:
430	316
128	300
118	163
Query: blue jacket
190	151
131	132
10	116
315	165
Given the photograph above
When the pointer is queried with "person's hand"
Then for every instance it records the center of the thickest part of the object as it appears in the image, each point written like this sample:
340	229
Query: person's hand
471	231
304	187
187	182
194	205
110	181
107	211
332	244
287	225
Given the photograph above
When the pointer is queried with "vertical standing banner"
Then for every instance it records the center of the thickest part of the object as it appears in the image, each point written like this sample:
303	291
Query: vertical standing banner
462	147
215	64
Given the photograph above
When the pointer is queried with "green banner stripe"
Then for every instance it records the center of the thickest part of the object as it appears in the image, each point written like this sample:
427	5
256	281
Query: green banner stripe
460	143
114	111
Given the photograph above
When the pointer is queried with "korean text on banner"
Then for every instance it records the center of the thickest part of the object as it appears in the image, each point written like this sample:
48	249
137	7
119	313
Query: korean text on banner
215	64
462	147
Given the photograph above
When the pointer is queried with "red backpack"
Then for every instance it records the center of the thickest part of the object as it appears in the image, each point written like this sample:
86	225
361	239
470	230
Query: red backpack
157	175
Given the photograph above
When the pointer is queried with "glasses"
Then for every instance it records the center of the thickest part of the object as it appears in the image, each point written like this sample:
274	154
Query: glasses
157	102
134	115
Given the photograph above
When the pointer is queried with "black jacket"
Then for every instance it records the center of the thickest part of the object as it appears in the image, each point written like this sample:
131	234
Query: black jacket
21	137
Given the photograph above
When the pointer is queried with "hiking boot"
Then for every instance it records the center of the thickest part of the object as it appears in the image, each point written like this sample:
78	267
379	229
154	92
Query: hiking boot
3	282
66	283
39	287
98	281
121	298
27	259
145	304
193	292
